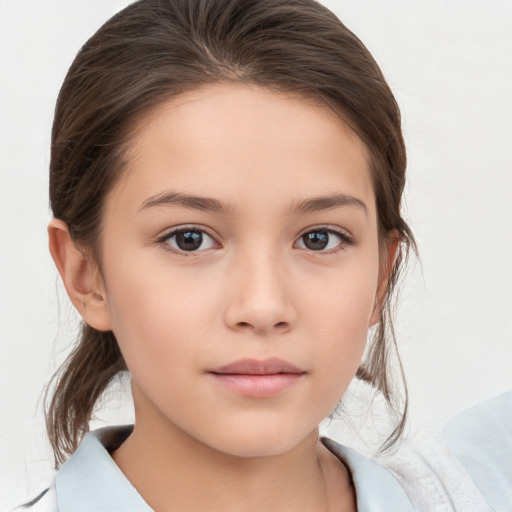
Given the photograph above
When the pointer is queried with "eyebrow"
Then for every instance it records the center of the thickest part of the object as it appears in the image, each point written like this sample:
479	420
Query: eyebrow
321	203
208	204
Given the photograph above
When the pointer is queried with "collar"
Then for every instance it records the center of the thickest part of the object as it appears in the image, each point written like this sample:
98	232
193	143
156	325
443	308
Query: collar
377	490
91	481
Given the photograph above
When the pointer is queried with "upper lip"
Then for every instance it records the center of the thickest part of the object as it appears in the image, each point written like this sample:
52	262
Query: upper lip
269	366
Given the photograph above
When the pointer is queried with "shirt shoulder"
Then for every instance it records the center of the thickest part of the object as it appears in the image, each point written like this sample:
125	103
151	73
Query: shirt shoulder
466	468
481	440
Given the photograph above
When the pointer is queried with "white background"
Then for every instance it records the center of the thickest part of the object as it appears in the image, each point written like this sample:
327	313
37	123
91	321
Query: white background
449	64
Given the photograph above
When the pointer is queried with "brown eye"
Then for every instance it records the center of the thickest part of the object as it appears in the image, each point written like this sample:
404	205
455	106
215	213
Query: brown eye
323	240
316	240
189	240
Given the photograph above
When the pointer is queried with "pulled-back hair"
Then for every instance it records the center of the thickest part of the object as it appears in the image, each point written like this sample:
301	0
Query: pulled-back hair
154	50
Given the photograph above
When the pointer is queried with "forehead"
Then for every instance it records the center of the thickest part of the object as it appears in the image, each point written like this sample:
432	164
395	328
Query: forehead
240	143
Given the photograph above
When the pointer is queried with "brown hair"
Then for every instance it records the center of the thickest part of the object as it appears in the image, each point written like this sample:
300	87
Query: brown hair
156	49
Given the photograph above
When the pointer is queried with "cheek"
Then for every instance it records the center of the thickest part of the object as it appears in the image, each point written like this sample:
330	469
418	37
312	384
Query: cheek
344	299
155	313
338	317
343	334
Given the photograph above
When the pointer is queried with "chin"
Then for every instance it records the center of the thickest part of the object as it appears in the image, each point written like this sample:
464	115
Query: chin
256	441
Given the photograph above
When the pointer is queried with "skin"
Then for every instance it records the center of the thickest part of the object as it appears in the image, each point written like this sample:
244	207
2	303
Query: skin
252	290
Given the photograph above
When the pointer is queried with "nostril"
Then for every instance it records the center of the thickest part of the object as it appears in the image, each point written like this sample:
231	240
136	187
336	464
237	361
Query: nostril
281	324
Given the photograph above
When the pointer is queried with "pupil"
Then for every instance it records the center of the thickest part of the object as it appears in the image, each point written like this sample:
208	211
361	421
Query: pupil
189	240
316	240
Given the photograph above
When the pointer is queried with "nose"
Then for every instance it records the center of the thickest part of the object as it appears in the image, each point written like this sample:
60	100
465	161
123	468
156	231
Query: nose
260	298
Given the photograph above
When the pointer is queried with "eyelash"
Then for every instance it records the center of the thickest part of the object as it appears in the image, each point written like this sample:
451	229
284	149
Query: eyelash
345	239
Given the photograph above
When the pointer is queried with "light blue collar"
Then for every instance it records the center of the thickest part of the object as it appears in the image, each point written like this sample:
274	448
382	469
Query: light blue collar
377	490
90	481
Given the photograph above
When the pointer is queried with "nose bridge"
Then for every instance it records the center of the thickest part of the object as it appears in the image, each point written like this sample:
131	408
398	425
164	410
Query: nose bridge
261	297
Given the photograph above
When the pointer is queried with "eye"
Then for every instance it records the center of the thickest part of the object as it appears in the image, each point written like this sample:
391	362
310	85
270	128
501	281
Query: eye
189	240
325	240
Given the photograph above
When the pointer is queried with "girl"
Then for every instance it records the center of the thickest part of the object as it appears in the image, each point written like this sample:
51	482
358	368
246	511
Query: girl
226	183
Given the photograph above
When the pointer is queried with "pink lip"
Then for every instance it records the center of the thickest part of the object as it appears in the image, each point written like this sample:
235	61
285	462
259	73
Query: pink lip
269	366
258	379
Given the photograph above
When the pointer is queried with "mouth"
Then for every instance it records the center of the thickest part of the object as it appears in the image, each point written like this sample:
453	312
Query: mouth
258	379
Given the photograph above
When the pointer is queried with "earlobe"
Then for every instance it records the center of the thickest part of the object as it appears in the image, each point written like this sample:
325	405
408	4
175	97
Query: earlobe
385	272
80	277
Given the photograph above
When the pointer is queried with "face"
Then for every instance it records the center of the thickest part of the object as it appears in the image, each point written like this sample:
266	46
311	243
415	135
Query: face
240	266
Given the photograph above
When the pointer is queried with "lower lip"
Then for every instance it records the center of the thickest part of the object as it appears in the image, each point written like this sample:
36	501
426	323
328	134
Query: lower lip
258	386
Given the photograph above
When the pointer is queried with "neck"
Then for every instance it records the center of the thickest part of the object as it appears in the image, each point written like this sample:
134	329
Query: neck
173	471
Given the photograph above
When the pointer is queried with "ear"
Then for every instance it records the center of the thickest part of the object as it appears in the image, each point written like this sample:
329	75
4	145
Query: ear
80	276
387	262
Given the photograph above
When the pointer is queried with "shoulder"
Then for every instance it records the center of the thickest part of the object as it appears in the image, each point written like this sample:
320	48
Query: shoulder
45	502
481	440
467	468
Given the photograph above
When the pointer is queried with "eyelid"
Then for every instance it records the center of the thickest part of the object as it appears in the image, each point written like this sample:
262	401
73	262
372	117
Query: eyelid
326	227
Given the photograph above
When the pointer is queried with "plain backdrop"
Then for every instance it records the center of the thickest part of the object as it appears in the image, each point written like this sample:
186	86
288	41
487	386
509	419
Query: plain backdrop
449	65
